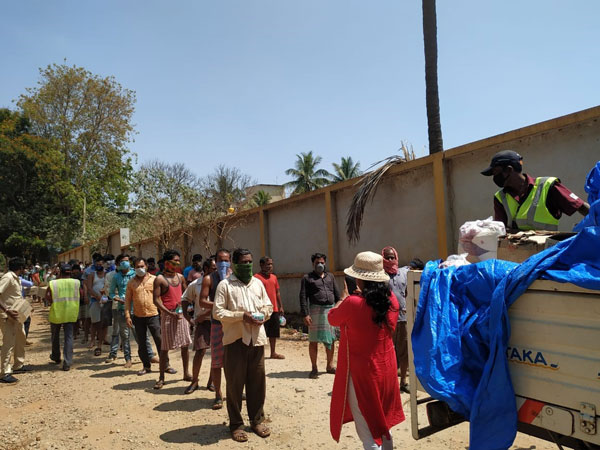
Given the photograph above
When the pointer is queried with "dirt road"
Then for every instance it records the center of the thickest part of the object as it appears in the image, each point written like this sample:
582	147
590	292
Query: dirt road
105	406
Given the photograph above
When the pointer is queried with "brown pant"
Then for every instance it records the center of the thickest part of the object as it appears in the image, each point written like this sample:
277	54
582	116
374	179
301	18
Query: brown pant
401	345
244	366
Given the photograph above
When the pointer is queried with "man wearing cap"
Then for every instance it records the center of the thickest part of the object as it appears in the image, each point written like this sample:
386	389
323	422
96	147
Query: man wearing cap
527	203
63	296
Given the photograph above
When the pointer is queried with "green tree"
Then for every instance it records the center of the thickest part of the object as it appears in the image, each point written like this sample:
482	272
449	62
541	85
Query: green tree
226	188
432	99
226	192
306	175
346	170
36	197
88	119
168	201
261	198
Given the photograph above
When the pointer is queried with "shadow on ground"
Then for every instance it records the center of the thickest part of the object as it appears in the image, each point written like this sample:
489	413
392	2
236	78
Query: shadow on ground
148	386
113	374
188	404
289	374
201	434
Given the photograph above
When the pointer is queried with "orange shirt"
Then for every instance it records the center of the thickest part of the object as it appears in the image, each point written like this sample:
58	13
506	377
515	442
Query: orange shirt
140	292
271	286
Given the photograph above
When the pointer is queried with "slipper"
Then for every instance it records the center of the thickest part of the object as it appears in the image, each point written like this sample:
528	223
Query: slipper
404	388
218	403
261	430
239	436
191	388
210	387
159	384
98	352
331	370
314	374
144	371
171	371
277	356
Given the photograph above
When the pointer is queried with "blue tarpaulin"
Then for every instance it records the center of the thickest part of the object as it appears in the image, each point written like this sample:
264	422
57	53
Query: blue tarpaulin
592	188
462	330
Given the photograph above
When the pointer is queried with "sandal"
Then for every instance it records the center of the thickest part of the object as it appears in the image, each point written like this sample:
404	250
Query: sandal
261	430
97	352
171	371
144	371
277	356
239	436
187	378
159	384
314	374
218	404
331	370
210	387
191	388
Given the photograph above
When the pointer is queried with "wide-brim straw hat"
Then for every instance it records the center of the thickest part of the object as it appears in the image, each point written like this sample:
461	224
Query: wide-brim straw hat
368	266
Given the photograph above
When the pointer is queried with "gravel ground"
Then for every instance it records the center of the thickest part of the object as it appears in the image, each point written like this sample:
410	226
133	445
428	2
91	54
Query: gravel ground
105	406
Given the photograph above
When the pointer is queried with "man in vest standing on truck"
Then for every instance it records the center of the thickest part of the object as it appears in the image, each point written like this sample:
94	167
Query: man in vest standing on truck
527	203
63	296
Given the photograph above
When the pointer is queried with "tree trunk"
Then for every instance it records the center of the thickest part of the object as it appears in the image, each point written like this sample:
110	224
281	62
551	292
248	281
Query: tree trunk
434	126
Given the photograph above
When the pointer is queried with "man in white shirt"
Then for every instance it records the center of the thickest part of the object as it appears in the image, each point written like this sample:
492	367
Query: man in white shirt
242	305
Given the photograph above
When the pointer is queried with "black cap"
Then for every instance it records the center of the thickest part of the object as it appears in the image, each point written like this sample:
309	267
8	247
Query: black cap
504	158
65	268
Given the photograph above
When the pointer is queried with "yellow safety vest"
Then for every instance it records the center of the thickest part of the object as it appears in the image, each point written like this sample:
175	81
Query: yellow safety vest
65	300
533	213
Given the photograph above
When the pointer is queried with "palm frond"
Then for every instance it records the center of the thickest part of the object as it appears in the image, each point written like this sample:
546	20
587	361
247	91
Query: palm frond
368	185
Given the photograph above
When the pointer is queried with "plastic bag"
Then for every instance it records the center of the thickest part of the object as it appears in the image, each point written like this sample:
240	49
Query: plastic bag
479	239
454	261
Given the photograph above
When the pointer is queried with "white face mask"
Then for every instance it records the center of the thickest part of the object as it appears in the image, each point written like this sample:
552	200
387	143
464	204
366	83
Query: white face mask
140	272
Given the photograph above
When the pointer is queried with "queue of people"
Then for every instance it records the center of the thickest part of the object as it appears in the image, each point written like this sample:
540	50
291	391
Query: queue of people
235	313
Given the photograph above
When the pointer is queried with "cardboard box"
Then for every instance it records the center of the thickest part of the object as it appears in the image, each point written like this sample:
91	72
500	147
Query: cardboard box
518	247
518	250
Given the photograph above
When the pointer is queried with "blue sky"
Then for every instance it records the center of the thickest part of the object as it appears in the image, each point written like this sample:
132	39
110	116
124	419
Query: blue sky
252	83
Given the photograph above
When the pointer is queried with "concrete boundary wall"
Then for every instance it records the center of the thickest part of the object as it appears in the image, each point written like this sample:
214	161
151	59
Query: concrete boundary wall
418	207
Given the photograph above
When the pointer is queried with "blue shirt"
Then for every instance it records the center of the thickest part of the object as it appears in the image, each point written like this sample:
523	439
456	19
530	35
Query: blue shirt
119	282
25	284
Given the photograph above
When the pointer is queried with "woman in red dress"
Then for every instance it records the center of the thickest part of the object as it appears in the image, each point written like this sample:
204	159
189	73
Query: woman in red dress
366	388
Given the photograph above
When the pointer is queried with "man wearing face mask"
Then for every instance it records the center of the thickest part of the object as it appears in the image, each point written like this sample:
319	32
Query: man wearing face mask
527	203
207	298
242	305
174	328
116	293
139	302
318	294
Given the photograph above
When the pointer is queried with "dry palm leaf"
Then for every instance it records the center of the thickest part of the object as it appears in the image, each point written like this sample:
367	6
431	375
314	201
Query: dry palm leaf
368	185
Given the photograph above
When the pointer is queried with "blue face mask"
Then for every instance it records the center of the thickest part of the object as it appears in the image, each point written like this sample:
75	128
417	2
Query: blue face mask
222	267
124	265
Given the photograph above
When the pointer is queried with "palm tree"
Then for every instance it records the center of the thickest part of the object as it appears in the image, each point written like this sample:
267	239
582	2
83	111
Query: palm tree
345	170
367	187
432	99
261	198
306	175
